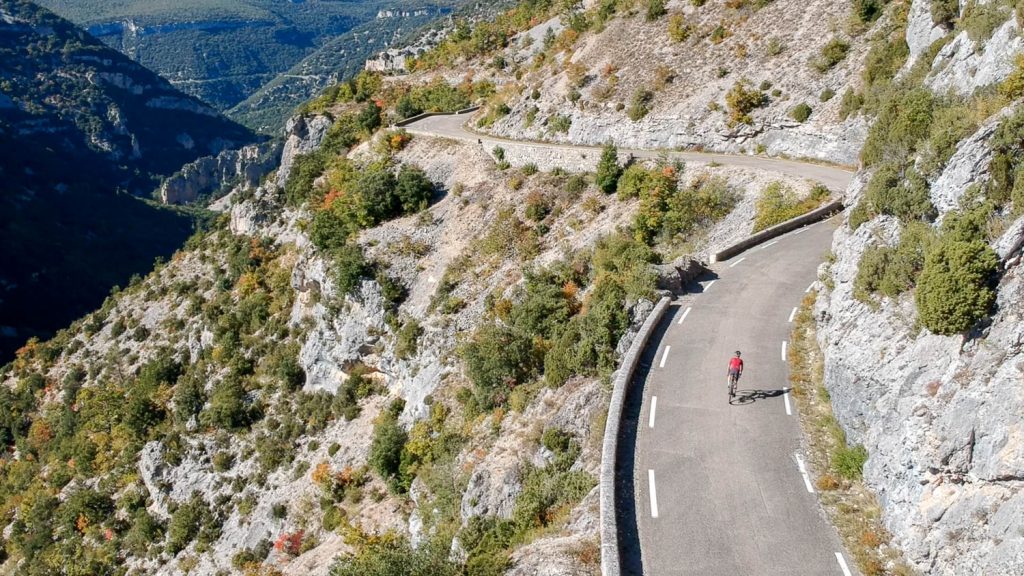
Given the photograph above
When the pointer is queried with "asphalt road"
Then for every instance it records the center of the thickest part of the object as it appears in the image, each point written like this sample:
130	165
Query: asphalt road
719	485
452	126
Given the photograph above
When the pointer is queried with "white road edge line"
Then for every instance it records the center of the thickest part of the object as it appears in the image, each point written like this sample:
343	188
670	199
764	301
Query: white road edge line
685	313
737	262
842	564
708	287
792	315
809	288
654	406
654	494
803	472
783	351
664	356
785	396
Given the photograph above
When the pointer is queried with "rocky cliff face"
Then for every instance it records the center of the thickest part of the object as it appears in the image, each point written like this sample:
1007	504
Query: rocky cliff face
940	416
245	166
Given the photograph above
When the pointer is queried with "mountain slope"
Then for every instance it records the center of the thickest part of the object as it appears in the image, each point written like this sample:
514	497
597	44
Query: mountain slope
82	130
217	50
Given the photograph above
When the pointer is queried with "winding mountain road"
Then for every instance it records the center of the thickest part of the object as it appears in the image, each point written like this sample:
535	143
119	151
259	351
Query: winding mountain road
452	126
720	487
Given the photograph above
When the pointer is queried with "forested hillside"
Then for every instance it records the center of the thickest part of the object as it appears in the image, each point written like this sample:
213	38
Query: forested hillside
223	51
83	129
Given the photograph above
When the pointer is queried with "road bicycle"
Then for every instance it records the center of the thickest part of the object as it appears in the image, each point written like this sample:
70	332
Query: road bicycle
733	378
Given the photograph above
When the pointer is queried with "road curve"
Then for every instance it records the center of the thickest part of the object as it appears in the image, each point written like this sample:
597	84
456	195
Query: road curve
453	126
720	488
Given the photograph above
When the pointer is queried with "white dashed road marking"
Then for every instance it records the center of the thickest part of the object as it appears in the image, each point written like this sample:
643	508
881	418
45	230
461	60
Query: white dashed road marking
809	288
769	244
800	231
842	564
785	397
783	351
803	472
654	494
664	356
792	315
737	262
708	287
685	313
654	406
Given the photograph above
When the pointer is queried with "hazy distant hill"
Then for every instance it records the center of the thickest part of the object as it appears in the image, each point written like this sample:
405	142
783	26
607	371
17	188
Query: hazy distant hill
83	129
222	51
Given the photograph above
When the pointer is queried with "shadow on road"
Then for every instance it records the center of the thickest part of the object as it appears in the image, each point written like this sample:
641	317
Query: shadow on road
695	287
750	396
625	475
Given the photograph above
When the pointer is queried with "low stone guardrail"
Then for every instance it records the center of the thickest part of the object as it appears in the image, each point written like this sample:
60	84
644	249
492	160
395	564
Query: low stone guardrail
423	115
610	564
778	230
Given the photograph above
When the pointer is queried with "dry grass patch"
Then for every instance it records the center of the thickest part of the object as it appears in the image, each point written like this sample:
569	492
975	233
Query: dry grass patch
834	466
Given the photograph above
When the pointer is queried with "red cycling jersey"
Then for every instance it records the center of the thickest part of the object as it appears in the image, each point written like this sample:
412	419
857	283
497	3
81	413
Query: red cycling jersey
736	364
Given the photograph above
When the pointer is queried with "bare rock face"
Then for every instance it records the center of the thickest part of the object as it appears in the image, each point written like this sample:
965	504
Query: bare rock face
209	173
939	415
964	66
302	136
921	30
677	274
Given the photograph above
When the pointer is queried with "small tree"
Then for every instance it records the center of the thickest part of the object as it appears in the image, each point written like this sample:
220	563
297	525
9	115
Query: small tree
608	169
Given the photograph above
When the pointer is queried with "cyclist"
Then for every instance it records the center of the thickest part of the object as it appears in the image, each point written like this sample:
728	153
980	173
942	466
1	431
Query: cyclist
735	371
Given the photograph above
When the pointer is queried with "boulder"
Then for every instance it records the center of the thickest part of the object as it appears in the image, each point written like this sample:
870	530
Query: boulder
680	272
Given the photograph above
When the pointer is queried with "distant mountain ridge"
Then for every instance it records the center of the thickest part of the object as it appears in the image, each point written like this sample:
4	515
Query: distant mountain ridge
83	129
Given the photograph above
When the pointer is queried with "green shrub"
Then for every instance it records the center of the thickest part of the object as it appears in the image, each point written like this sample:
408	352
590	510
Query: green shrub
903	121
848	461
892	271
633	181
391	555
608	169
386	449
832	53
185	523
826	95
305	169
498	358
678	29
945	12
655	9
227	408
850	104
639	104
779	203
801	112
955	290
742	100
349	267
868	11
559	123
895	193
407	337
980	21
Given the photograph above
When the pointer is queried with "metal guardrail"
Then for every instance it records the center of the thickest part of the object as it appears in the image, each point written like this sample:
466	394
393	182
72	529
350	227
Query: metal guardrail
610	562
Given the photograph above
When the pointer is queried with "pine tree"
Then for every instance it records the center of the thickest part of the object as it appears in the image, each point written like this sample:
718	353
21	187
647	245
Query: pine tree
608	169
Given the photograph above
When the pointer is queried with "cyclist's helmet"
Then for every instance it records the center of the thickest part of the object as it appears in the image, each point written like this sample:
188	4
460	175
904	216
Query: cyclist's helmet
737	352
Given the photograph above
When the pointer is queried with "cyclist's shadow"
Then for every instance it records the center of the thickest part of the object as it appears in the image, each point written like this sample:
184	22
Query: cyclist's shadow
744	397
